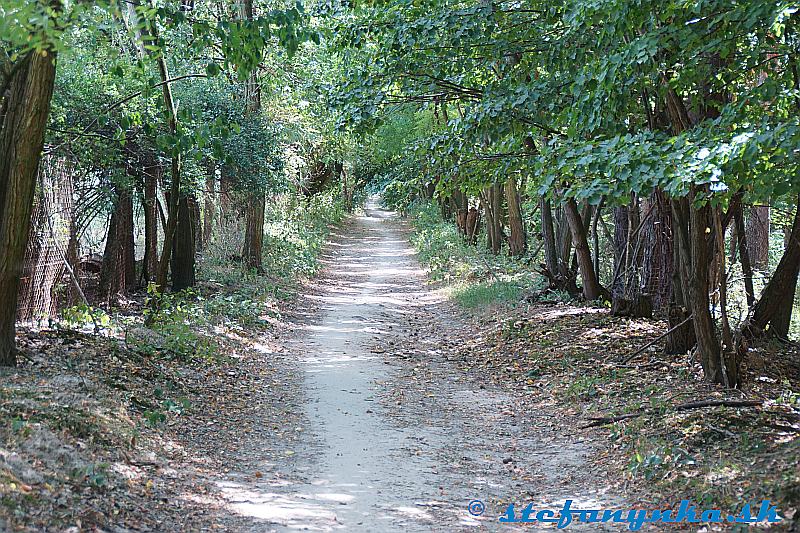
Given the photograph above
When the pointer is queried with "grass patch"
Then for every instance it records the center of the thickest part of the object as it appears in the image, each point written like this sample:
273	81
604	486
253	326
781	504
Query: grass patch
484	293
476	277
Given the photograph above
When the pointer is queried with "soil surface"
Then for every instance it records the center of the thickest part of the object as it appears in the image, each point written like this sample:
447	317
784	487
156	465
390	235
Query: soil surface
389	433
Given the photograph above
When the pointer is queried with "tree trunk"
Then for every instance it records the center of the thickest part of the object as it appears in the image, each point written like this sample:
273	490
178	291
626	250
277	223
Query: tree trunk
118	271
255	204
758	236
730	348
698	242
147	33
225	195
774	307
491	207
621	246
462	209
656	235
598	213
197	222
744	253
150	211
591	287
27	107
254	232
172	223
348	192
682	339
183	254
473	226
175	176
548	237
209	207
517	241
564	245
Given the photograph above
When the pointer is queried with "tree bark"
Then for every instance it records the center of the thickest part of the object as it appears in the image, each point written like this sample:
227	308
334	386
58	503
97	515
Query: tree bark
254	232
118	271
591	287
517	240
548	237
150	211
657	255
256	199
27	107
197	222
461	203
491	207
744	253
700	238
209	207
774	307
183	254
598	213
621	233
682	339
757	228
564	246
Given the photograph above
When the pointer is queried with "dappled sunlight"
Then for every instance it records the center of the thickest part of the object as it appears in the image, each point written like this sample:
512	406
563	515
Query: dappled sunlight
296	511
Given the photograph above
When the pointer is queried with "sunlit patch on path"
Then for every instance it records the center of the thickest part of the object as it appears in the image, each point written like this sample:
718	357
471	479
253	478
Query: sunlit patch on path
378	457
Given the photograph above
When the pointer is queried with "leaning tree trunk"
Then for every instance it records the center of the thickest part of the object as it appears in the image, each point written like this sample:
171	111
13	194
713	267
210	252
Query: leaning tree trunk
774	307
21	141
517	240
183	253
591	286
147	32
175	177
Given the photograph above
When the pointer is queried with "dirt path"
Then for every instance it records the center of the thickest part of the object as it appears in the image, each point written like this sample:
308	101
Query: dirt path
392	436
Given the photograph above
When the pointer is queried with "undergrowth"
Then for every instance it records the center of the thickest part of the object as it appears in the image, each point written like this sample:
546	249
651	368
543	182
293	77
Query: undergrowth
474	276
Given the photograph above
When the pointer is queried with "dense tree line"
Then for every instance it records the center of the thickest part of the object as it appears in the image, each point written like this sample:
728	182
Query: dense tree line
674	122
175	118
636	150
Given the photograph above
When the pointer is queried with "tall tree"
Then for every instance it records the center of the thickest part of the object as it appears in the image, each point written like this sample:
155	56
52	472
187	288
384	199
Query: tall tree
255	201
25	110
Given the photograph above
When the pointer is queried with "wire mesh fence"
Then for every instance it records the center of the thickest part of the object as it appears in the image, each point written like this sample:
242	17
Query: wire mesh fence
50	270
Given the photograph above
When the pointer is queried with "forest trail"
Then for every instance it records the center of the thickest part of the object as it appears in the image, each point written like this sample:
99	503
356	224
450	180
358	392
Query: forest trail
395	437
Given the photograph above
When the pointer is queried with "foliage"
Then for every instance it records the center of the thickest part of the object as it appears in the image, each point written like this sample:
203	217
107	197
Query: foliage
82	315
476	277
172	318
570	94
